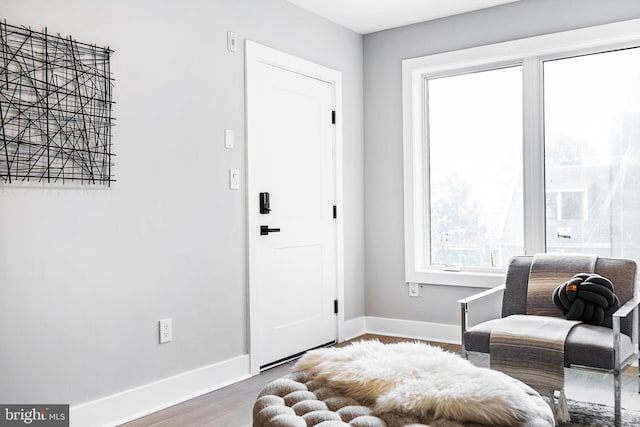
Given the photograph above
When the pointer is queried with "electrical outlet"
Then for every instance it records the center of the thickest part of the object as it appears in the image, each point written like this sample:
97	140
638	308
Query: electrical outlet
166	331
414	289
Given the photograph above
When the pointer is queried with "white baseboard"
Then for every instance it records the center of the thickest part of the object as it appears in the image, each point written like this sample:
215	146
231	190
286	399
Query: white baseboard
353	328
131	404
140	401
427	331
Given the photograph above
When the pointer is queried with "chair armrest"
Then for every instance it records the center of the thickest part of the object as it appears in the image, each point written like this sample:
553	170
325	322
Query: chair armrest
481	295
464	306
628	307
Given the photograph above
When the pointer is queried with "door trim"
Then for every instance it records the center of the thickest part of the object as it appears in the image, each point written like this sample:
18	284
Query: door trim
255	54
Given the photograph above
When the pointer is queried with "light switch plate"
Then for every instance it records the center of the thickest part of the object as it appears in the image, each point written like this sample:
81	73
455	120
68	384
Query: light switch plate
234	179
232	45
228	138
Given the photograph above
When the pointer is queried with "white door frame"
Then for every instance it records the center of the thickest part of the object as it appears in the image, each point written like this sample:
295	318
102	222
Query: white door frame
254	54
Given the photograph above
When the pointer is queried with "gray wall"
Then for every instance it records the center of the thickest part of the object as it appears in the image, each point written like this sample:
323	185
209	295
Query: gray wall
385	293
86	273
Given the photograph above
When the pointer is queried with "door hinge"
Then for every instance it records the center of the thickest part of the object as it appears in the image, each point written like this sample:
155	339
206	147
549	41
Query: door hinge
333	117
335	212
335	306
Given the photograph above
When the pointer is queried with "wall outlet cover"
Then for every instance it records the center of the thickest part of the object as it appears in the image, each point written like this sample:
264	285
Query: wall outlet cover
166	330
414	289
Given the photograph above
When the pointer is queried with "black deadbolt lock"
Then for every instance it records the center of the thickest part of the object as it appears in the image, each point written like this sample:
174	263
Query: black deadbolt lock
264	203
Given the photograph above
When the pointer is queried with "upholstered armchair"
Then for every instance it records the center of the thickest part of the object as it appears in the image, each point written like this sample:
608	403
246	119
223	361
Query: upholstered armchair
586	346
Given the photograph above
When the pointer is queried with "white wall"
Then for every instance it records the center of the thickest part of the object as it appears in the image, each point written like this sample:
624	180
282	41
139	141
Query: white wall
386	293
86	273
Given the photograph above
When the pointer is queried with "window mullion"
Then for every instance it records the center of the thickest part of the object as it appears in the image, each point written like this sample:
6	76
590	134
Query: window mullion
533	155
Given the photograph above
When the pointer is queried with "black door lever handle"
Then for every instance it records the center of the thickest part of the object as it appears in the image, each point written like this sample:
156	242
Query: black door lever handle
264	230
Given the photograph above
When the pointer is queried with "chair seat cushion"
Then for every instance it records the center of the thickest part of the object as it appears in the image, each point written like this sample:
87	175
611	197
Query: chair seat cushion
586	345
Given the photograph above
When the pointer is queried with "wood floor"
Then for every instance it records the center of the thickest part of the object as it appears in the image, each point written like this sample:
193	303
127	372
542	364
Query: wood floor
232	406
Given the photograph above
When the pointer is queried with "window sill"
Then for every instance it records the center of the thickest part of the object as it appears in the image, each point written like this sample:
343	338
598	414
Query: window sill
469	279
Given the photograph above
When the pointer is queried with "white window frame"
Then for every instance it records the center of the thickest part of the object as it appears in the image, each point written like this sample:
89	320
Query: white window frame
530	54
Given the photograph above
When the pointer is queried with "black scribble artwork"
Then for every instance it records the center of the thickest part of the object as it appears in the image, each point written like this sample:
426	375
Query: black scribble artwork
55	109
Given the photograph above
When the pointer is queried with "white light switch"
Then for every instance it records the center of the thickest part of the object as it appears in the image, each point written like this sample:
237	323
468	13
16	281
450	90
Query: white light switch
228	138
234	179
231	41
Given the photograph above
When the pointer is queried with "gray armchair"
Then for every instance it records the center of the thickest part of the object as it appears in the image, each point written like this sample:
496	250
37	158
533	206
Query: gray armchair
586	346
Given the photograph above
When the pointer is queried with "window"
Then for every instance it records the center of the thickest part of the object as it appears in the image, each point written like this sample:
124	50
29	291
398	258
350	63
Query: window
592	141
475	168
519	148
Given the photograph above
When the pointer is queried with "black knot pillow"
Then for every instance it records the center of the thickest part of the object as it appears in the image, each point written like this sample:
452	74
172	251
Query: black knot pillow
587	297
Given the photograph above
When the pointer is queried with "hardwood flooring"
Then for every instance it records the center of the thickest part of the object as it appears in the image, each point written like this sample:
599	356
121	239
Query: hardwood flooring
232	406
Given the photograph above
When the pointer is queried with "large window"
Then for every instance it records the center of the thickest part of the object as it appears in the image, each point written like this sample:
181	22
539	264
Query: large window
475	168
519	148
592	141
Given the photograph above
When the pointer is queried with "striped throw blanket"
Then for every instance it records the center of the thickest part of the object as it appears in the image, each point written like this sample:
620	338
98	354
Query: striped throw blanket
531	347
548	271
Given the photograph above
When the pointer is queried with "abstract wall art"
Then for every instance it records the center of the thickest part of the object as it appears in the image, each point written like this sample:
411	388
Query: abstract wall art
55	109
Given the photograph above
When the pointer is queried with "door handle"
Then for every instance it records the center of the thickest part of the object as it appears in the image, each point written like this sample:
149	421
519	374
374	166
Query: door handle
264	230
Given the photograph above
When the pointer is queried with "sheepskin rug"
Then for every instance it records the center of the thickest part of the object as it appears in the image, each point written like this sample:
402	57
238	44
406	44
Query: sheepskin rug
418	379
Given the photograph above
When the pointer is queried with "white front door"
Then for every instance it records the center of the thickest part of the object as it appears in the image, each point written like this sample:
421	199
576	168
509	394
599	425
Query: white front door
292	247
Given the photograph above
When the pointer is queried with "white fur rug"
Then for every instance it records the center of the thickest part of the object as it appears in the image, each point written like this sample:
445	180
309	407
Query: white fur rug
414	378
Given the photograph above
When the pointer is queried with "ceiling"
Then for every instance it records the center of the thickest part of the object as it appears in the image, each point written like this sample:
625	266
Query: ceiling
368	16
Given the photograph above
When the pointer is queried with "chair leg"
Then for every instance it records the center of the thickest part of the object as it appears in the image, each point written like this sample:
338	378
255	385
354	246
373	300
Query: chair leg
463	322
617	395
